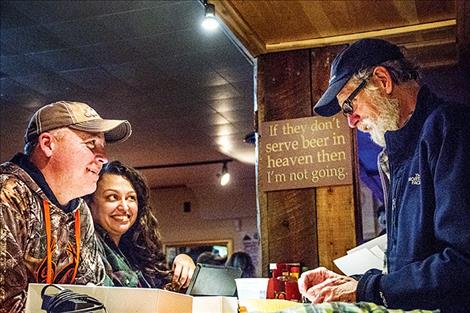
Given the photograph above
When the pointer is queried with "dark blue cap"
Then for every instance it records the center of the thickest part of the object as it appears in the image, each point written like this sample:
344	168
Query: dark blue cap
358	56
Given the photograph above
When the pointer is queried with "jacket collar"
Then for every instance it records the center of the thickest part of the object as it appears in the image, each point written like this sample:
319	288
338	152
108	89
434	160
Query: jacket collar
101	232
35	174
403	141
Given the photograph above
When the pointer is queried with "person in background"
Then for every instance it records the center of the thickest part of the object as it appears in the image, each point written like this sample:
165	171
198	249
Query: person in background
243	261
208	257
47	233
127	231
424	167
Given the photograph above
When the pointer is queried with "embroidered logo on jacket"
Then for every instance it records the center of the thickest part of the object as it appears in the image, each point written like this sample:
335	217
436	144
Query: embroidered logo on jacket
415	180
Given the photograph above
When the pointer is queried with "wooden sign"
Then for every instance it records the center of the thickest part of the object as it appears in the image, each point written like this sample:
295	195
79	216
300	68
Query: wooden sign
304	153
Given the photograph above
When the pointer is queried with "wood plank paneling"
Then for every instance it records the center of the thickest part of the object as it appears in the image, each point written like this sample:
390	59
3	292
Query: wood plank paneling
292	226
336	212
266	26
300	20
273	22
335	223
288	226
310	225
287	85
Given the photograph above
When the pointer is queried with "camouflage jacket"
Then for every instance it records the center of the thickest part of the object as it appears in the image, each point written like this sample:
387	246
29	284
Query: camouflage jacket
23	240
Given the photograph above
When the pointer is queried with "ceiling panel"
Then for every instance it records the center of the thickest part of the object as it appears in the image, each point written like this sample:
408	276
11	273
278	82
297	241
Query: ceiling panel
59	11
19	65
30	39
45	84
238	115
15	93
168	17
116	52
60	60
218	92
236	73
78	33
96	81
230	104
11	17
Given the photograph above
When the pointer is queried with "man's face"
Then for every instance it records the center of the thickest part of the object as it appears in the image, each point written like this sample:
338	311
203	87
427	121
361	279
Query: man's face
78	157
374	111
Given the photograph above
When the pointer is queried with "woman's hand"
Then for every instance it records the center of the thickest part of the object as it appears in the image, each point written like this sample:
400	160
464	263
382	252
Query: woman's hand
183	269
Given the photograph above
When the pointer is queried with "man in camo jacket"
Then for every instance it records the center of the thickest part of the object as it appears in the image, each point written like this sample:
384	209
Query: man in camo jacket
47	233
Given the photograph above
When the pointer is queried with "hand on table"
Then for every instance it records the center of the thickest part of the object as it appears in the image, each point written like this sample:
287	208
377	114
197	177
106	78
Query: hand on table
183	269
322	285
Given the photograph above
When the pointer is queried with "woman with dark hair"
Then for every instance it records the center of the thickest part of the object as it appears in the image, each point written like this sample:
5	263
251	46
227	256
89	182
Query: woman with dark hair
243	261
127	233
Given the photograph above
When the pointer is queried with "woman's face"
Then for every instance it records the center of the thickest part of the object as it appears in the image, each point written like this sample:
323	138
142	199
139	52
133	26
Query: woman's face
114	206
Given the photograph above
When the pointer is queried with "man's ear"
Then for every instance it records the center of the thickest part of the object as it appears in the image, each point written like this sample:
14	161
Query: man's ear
383	79
46	144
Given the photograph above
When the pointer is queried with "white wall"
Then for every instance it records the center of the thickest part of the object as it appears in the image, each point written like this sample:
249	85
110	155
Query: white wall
216	213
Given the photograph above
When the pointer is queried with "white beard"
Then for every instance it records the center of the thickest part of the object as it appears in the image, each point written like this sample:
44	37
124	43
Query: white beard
388	118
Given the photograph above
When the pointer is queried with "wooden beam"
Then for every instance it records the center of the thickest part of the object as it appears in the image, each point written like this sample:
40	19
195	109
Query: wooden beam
342	39
228	13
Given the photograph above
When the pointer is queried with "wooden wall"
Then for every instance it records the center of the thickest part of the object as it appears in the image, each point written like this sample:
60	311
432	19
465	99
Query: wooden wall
313	225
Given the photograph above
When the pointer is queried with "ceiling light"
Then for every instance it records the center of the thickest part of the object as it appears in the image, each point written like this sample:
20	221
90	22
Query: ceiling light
224	175
209	22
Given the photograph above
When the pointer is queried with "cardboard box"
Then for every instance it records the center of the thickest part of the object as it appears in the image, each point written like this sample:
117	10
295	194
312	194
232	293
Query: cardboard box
139	300
215	305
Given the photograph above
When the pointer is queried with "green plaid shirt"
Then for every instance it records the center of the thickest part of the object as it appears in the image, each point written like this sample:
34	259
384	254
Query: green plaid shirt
343	307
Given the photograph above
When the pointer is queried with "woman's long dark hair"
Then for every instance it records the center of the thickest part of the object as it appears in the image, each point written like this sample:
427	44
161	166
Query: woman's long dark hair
141	244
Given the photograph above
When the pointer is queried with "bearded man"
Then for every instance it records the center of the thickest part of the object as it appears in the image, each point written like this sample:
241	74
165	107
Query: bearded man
423	166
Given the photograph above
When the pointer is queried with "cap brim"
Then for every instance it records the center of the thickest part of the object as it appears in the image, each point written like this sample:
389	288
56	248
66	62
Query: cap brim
114	130
328	104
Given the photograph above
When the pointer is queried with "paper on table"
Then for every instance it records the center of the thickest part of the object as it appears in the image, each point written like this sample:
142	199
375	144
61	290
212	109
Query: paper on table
378	252
380	242
358	262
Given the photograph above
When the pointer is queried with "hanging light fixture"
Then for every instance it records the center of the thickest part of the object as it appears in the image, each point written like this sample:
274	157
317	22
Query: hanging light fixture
224	175
209	22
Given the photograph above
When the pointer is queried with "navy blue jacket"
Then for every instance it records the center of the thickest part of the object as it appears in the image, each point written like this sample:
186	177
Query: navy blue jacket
428	212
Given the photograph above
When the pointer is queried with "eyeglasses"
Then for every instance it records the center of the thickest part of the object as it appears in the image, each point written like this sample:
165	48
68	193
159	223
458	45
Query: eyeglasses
347	107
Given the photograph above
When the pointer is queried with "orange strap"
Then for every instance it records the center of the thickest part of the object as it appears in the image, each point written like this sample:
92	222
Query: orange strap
77	241
47	221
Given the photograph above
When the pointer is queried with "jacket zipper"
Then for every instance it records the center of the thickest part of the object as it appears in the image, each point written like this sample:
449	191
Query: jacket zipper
395	196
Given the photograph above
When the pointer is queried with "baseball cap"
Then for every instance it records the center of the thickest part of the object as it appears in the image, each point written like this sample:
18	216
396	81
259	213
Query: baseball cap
76	115
358	56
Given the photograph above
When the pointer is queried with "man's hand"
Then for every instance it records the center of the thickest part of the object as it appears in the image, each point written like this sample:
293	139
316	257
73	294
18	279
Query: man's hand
183	269
322	285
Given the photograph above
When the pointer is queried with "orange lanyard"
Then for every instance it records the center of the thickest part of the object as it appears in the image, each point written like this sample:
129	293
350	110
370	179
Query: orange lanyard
47	220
